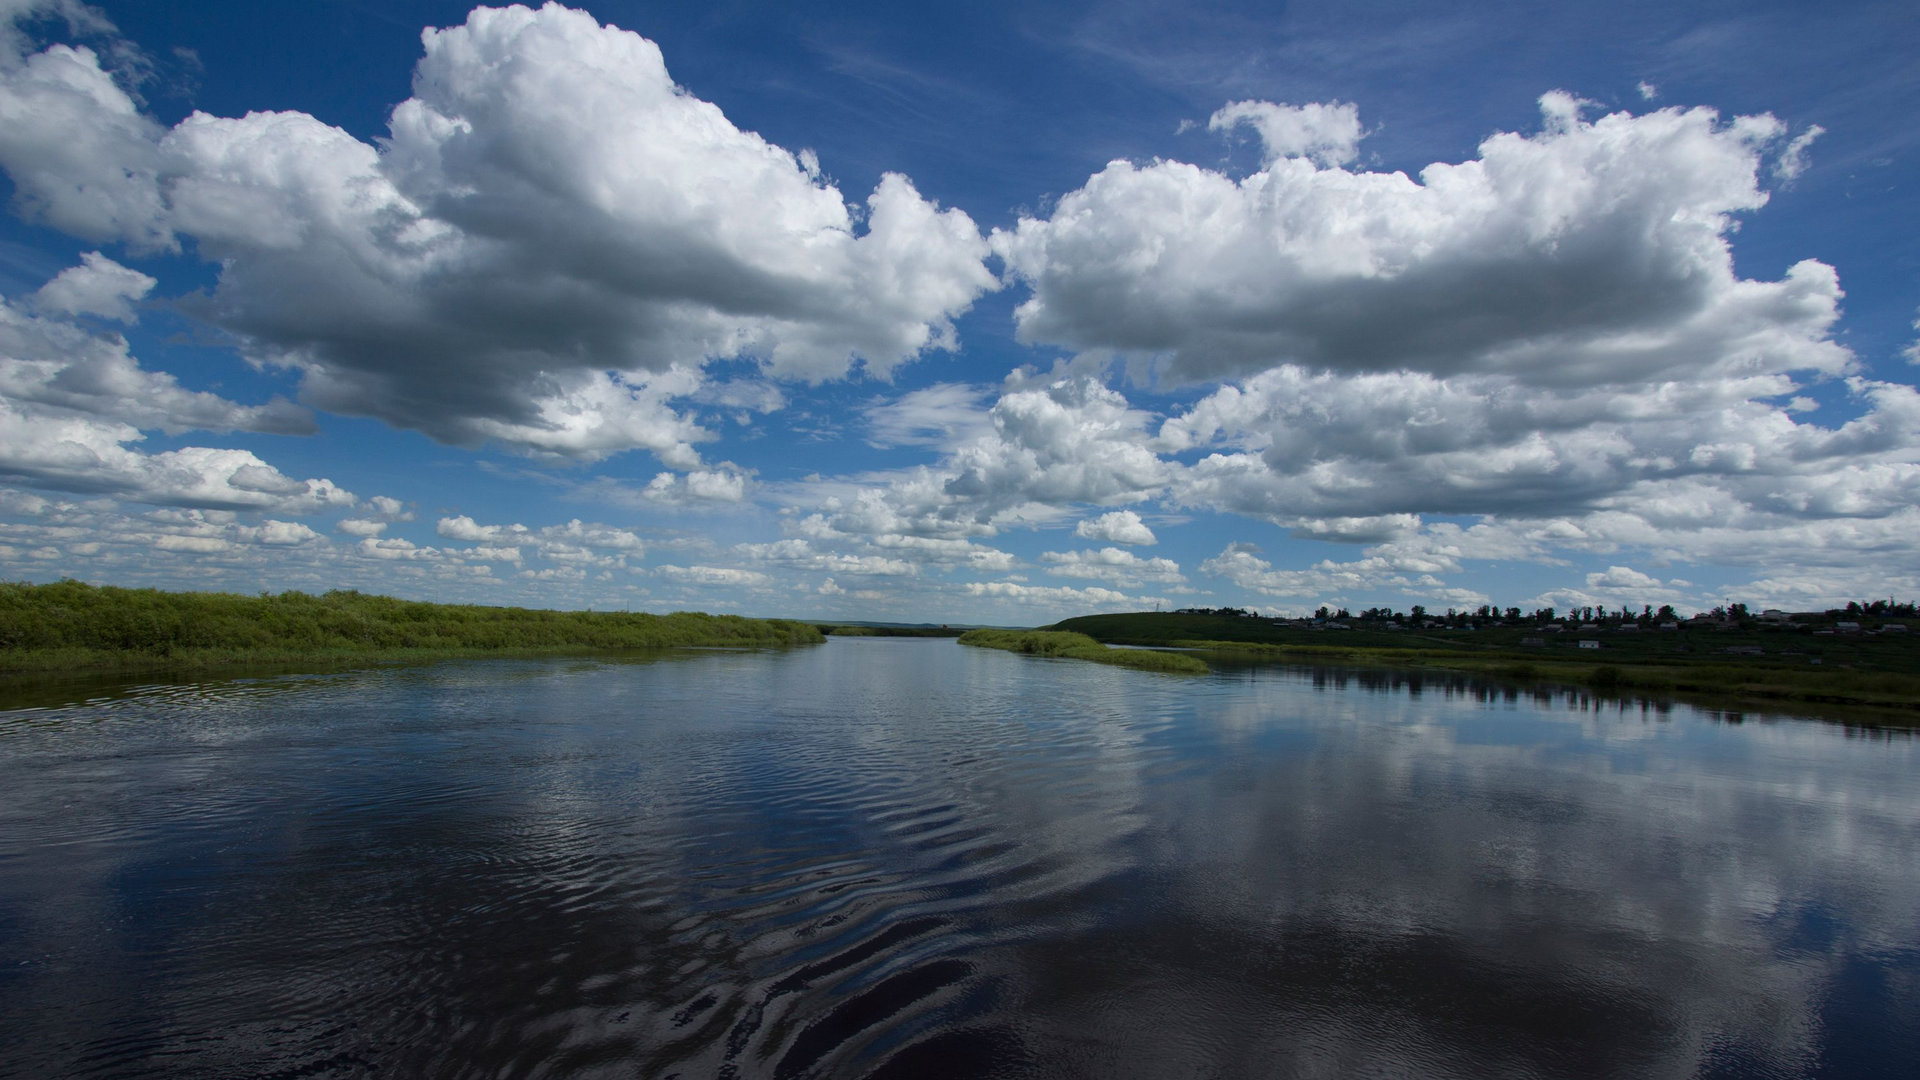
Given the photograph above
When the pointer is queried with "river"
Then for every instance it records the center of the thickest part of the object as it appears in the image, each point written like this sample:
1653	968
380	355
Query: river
907	858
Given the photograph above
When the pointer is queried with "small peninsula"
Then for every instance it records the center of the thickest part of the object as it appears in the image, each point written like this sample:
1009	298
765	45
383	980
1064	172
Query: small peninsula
1071	646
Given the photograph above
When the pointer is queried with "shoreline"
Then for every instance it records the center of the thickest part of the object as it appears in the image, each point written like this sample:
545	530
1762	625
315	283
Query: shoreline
1731	691
1065	645
1870	678
74	628
16	666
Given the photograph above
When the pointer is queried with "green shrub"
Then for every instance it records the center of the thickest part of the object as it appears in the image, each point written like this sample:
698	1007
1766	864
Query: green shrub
1606	677
44	625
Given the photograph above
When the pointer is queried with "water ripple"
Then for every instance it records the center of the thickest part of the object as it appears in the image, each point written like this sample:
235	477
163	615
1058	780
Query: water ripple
916	860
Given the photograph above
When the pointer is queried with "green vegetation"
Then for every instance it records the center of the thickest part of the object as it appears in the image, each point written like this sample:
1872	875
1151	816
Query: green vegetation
72	626
1071	646
1804	661
886	630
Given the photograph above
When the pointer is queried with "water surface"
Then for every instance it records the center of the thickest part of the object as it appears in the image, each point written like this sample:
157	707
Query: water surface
899	857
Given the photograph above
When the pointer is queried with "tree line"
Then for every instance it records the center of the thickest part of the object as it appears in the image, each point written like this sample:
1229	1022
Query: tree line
1597	614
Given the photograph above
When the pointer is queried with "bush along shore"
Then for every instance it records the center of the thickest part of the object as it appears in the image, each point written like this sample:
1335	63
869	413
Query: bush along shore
71	626
1071	646
1812	664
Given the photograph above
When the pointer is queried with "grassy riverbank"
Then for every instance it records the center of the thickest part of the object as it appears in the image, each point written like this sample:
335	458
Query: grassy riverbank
1754	663
70	626
1701	679
1070	646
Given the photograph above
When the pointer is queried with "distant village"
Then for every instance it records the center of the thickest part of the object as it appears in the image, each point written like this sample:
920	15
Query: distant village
1873	618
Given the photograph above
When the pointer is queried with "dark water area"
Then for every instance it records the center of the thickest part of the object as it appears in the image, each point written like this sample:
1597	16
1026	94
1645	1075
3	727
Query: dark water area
907	858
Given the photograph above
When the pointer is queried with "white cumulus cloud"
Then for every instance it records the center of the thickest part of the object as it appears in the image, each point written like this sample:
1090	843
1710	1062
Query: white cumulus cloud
98	286
53	367
711	575
1111	565
723	484
1326	133
1591	252
1050	446
801	554
1118	526
549	245
1092	596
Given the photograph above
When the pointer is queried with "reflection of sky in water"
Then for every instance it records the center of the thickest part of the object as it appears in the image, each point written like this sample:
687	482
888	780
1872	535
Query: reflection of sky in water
929	860
1676	866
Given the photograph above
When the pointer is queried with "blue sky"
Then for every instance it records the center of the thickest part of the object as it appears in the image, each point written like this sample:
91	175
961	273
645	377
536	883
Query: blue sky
996	313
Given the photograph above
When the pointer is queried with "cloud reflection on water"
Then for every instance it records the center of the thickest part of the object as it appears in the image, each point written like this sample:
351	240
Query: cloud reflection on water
905	857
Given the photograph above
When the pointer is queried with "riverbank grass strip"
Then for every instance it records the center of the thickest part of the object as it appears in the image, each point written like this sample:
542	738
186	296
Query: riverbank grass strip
1070	646
1806	660
1871	689
71	626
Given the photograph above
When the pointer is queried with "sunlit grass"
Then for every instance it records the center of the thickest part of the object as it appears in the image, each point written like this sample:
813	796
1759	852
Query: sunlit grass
71	625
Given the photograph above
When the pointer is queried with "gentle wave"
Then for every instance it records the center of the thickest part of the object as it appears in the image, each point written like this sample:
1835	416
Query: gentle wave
916	860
